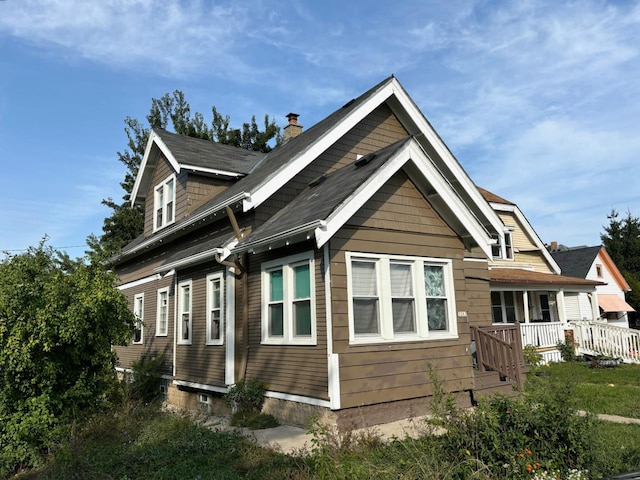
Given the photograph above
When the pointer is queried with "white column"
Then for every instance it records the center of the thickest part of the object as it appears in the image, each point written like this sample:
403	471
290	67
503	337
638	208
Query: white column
595	309
525	304
561	306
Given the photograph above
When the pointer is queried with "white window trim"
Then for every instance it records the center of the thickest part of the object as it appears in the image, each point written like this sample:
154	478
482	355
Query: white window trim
163	185
502	245
139	317
385	316
158	313
503	308
288	338
210	278
179	293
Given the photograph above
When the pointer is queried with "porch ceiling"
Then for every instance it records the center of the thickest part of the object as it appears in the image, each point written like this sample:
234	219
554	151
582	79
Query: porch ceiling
518	276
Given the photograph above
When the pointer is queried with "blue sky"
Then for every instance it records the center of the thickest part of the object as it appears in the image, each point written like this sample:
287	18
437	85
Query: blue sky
538	100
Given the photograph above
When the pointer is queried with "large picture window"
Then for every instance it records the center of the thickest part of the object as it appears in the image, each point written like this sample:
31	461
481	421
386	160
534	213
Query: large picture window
215	309
138	312
162	320
288	305
399	298
184	312
164	203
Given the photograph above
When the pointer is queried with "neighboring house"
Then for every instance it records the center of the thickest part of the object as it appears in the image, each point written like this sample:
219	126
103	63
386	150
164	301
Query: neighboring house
527	285
341	268
594	263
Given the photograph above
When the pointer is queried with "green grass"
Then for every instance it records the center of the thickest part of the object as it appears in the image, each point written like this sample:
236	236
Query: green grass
613	391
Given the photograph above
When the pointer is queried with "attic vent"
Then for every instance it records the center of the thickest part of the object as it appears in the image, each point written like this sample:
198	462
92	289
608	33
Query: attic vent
349	103
364	160
317	181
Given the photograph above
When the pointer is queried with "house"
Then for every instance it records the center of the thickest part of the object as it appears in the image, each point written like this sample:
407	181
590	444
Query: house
342	268
528	285
594	263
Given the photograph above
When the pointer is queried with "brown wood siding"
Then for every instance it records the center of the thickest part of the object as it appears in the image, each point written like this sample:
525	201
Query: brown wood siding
378	130
200	189
401	370
151	342
292	369
199	362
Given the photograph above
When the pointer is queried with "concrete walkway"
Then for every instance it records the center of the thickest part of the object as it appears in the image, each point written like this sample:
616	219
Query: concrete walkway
289	439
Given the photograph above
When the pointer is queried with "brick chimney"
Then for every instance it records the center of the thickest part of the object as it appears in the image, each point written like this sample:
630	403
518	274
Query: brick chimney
292	129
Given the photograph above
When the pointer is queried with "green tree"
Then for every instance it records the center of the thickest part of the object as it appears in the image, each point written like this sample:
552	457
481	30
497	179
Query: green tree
621	238
58	320
171	111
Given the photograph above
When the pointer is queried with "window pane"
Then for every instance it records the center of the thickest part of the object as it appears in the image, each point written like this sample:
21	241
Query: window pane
400	280
497	314
302	318
437	313
434	281
276	325
169	212
364	279
137	333
365	316
275	286
185	326
185	299
302	281
215	325
164	312
403	319
215	293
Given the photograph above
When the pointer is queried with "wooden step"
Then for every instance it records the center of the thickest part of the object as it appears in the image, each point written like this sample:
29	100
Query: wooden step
491	383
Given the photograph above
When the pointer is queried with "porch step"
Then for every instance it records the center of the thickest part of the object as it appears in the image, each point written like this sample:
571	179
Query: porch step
490	383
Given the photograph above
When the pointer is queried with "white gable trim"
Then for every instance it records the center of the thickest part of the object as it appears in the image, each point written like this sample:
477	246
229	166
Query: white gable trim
139	282
445	154
528	228
411	152
154	138
214	171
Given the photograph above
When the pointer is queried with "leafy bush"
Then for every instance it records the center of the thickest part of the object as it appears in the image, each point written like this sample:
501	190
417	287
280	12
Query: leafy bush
567	350
246	396
58	320
531	355
144	384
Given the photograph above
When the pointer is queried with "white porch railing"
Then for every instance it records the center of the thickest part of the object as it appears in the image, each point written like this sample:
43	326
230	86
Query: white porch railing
601	339
545	336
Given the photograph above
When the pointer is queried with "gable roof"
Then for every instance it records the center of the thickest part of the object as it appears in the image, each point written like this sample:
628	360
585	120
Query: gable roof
283	163
577	262
499	204
193	154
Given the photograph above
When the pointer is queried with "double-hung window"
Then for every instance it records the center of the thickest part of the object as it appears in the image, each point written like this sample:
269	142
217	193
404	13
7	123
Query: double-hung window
288	303
502	251
162	320
138	312
215	309
164	203
184	312
399	298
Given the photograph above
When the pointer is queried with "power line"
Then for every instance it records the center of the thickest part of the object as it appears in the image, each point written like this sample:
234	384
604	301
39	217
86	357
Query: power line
55	248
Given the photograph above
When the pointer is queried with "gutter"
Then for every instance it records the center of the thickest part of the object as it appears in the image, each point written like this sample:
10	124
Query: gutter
283	236
179	226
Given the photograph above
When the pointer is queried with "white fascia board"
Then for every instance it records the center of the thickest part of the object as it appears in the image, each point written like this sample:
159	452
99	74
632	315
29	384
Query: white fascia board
445	154
298	399
139	282
414	153
528	228
165	232
272	184
154	138
198	257
213	171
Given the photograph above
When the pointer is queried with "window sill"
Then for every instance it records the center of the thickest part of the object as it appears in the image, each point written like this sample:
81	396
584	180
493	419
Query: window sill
214	343
310	342
184	342
401	340
161	335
